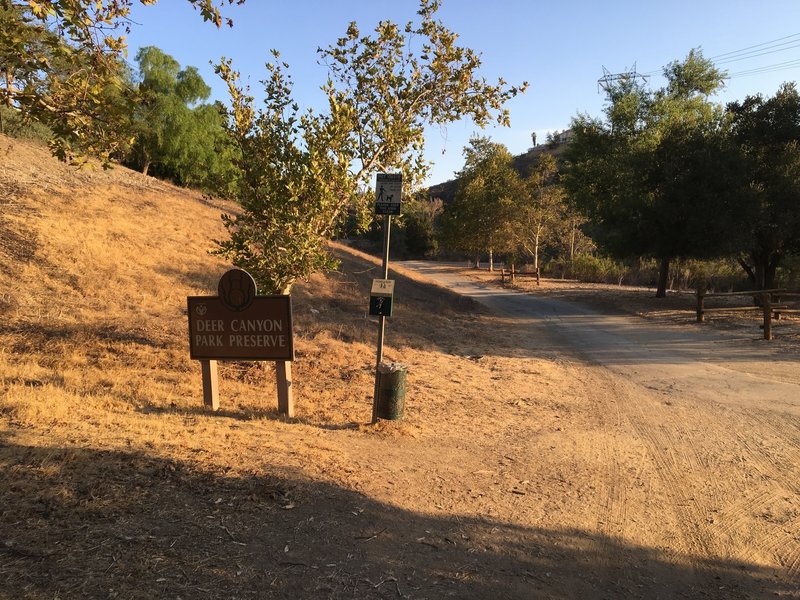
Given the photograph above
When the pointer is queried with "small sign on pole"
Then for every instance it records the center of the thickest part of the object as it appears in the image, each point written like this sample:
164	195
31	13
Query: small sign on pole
388	192
380	297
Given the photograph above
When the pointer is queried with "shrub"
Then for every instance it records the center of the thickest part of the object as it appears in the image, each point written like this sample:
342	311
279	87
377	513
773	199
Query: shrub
788	275
13	125
717	275
714	275
598	269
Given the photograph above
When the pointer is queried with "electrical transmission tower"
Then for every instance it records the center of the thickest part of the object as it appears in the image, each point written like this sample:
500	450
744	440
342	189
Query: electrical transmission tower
607	81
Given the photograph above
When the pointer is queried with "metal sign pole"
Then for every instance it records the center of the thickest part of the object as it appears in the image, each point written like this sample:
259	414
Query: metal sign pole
388	196
387	225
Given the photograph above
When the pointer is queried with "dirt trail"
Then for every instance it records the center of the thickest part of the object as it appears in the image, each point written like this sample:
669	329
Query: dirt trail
689	445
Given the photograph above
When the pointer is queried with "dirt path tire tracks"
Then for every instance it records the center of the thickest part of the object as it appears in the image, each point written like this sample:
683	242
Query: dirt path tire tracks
713	515
720	476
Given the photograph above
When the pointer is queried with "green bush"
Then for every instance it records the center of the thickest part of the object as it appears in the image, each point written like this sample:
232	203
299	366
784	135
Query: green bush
788	275
715	275
598	269
13	125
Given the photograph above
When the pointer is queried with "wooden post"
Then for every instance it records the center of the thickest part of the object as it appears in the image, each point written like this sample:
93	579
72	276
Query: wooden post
210	384
767	316
700	308
283	371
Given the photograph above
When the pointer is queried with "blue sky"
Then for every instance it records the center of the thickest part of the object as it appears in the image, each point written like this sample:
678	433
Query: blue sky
559	47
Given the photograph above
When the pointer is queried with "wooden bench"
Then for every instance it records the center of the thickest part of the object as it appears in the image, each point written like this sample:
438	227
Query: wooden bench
512	274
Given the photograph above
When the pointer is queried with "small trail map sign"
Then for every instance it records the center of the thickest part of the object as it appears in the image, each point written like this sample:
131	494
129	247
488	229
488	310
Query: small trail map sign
388	190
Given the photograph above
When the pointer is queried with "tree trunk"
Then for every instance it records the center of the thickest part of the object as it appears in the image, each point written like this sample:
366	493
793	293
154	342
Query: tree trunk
663	277
762	271
9	89
572	243
747	269
9	83
491	260
145	166
771	271
477	261
536	252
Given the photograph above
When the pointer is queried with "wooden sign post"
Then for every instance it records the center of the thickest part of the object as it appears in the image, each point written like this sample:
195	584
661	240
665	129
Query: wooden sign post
210	384
238	324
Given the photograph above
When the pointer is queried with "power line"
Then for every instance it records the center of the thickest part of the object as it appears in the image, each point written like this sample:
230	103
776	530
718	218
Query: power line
780	39
753	55
756	50
791	64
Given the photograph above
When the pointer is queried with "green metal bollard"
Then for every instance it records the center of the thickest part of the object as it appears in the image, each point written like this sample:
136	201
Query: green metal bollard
391	390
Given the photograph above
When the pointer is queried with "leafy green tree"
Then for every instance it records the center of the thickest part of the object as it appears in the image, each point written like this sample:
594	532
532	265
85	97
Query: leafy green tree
181	139
301	172
539	209
62	62
767	134
651	176
52	82
569	240
418	226
165	112
19	40
479	219
17	71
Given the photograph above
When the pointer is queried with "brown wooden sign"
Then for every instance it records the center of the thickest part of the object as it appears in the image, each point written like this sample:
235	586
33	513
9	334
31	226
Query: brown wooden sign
259	329
240	325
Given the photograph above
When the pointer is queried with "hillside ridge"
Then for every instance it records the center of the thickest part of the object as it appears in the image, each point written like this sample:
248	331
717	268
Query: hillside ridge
523	163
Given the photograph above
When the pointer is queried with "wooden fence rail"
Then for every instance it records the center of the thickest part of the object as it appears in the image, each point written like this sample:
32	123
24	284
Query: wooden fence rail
512	274
772	305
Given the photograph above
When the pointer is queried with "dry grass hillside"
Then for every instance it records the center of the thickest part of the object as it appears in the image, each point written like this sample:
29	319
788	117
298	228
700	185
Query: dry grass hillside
513	474
96	267
115	482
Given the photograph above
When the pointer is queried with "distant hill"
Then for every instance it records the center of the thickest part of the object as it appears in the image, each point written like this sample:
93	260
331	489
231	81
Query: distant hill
523	163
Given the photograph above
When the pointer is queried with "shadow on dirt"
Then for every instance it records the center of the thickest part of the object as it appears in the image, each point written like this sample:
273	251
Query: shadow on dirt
83	523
